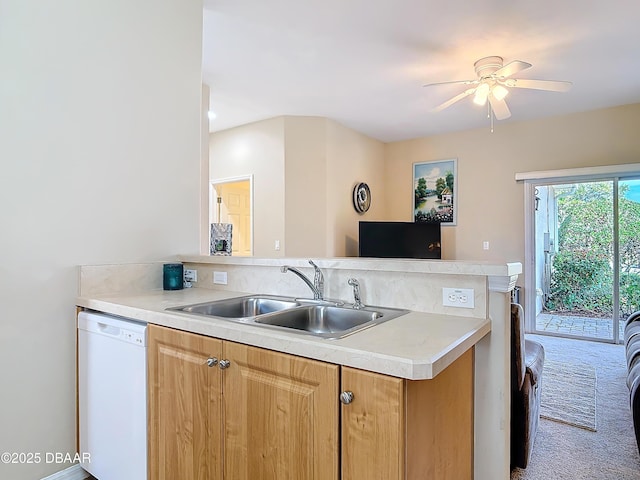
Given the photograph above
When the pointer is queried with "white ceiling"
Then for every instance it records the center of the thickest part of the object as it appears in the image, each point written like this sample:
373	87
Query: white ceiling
363	62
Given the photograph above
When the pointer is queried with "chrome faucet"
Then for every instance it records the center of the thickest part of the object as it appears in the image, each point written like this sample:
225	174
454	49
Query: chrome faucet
357	301
317	287
318	279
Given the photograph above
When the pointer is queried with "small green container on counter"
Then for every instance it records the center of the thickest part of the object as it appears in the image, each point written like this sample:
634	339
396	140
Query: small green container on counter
173	276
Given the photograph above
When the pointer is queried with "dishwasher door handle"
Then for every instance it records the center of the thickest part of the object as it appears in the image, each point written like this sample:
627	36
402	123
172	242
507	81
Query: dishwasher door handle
108	329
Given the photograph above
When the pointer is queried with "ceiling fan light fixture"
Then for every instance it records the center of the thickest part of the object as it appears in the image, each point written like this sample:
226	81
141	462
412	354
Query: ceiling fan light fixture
493	84
482	92
499	92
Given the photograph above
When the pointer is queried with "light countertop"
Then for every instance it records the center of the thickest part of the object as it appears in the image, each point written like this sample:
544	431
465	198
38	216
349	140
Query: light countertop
405	265
414	346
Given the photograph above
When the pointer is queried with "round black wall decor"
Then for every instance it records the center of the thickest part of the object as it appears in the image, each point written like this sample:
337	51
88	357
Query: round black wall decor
361	198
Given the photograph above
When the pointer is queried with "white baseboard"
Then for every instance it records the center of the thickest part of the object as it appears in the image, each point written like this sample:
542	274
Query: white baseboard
72	473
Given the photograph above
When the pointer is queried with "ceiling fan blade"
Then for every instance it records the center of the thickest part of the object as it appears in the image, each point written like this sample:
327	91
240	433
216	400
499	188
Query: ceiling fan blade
453	100
511	68
499	107
549	85
457	82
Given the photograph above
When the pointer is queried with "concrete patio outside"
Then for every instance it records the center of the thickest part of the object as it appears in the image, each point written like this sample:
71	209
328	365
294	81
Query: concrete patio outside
587	327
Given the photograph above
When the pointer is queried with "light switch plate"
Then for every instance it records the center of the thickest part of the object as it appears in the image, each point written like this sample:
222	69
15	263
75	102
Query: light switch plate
220	278
458	297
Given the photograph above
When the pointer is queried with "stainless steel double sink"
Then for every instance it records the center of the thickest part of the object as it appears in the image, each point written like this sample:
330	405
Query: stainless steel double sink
322	318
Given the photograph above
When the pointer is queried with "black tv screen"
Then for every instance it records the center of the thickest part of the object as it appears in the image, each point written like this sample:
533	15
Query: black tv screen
399	240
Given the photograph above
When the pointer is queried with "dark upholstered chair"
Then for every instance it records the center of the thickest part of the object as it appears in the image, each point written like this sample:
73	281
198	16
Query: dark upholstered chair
632	346
527	361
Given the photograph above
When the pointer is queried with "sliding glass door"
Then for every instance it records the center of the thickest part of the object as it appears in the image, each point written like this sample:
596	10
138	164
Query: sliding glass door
628	248
587	257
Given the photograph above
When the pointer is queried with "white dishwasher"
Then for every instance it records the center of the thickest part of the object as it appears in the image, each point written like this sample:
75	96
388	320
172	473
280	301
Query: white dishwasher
112	391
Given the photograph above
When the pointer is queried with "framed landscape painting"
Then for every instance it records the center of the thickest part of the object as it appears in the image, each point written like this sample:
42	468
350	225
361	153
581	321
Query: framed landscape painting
435	190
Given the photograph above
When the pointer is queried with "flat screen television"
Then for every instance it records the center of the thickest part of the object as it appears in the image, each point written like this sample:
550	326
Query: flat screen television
399	240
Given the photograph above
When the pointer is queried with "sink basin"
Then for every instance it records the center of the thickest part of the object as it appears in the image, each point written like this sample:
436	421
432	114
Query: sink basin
322	320
314	317
241	307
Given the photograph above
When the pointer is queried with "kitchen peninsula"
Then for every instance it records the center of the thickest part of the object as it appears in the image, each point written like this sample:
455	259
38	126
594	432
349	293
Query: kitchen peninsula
432	343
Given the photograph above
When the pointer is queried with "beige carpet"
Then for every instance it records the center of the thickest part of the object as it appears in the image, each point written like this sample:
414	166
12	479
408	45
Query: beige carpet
569	394
563	452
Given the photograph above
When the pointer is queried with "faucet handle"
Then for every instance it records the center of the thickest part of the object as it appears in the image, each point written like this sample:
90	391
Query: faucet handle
318	277
357	300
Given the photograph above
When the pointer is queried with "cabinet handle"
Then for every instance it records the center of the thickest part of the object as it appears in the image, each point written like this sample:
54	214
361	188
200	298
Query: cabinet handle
212	361
346	397
224	364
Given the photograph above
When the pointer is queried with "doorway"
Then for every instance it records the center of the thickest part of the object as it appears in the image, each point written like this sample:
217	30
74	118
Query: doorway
231	201
587	257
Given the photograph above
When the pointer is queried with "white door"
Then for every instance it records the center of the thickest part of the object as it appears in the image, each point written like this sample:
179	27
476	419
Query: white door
235	208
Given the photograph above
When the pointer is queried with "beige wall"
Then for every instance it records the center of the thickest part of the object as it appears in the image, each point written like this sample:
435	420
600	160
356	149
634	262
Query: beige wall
256	149
324	161
352	158
490	201
304	170
204	170
305	186
303	153
99	165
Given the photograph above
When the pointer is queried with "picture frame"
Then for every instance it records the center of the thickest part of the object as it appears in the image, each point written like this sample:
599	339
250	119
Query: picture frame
435	187
221	234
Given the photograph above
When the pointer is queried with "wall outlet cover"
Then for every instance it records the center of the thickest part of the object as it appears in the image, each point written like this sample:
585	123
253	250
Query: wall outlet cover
190	275
458	297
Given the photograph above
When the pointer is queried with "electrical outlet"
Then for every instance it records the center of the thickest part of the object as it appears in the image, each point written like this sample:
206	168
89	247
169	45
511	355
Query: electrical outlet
458	297
220	278
190	275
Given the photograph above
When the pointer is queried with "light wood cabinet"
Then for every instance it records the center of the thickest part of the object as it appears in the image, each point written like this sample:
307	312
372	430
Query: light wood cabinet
373	440
281	416
185	410
396	429
274	416
265	416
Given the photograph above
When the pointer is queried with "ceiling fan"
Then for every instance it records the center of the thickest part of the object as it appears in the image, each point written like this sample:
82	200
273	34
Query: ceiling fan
493	83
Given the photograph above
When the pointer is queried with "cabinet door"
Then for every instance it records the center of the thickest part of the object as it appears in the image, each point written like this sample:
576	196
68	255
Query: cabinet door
281	416
184	406
440	423
373	427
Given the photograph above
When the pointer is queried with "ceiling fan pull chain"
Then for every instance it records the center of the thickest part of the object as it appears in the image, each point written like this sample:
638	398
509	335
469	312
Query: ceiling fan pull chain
491	117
